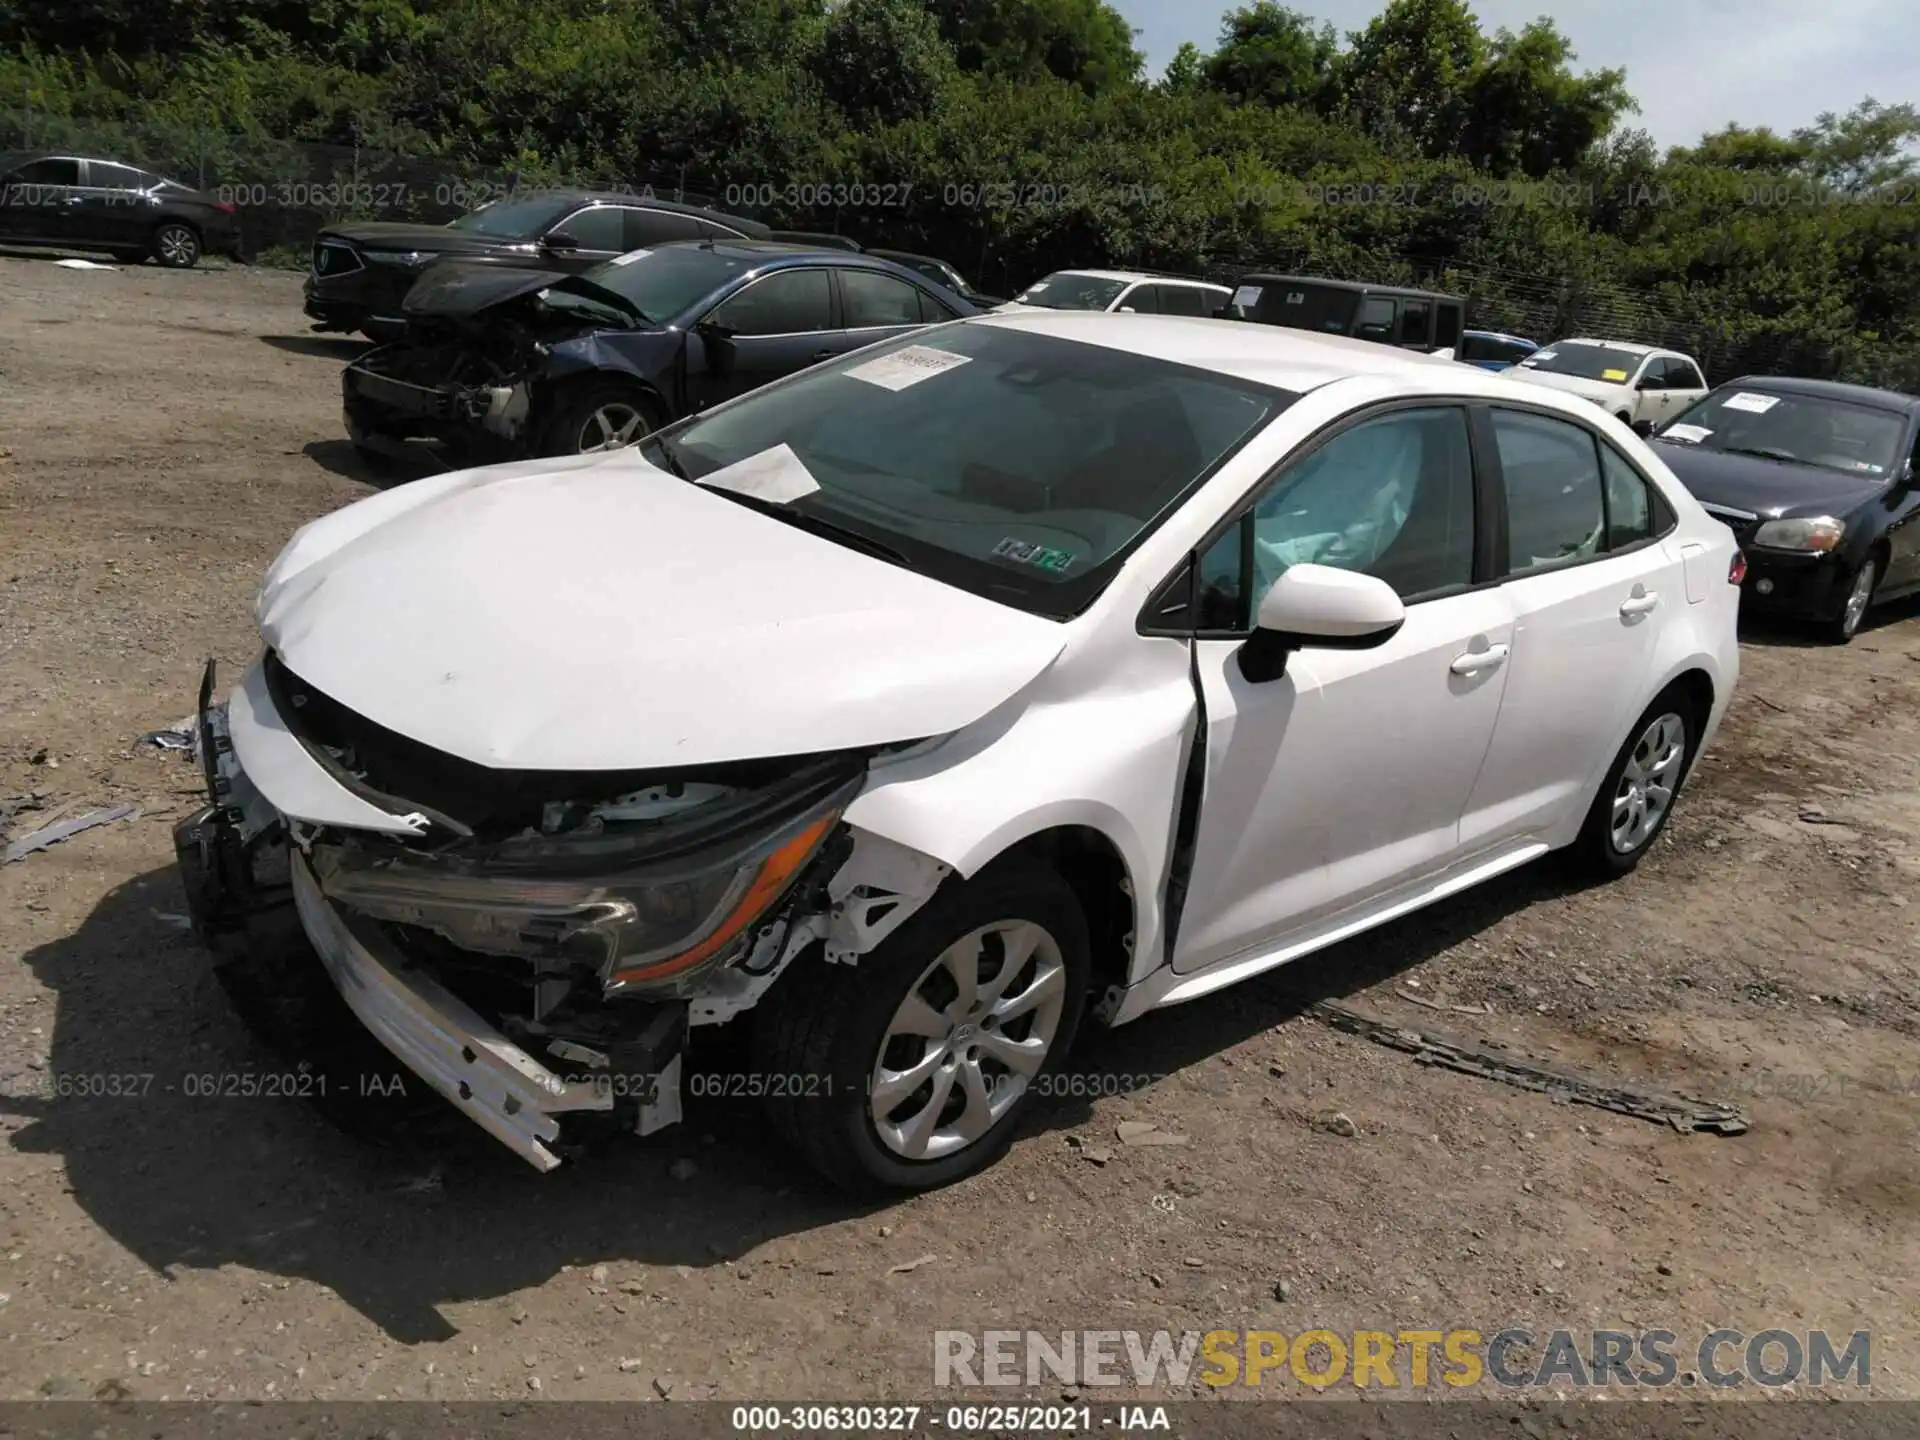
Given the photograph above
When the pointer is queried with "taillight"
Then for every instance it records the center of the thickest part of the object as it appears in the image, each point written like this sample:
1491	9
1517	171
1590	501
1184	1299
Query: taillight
1737	571
223	206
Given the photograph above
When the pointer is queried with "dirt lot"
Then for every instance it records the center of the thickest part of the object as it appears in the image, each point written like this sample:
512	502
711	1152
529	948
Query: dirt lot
160	437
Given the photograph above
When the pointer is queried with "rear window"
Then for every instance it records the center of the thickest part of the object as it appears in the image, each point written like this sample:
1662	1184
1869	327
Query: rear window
1298	306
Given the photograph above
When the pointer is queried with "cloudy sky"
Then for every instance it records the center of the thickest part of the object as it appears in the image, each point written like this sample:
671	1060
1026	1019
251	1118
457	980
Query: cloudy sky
1694	65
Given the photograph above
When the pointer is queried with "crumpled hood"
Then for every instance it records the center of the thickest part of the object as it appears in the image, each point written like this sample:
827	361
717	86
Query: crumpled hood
428	239
455	291
596	613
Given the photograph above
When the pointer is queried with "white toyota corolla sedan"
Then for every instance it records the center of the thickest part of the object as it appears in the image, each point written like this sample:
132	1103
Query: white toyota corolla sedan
1029	672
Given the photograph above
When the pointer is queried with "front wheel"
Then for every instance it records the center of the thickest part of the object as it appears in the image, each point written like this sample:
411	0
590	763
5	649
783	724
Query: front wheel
1636	799
603	415
176	246
1843	627
910	1069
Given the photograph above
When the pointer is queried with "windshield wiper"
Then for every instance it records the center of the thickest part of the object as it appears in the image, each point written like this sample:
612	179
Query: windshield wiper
1763	452
819	525
669	461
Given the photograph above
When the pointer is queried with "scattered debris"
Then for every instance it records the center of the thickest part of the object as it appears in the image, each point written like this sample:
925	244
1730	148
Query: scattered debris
1580	977
1163	1203
1140	1132
1282	1291
1336	1122
183	734
75	264
172	921
905	1265
1664	1268
598	1275
628	1366
662	1388
65	829
1814	815
427	1184
1684	1113
1095	1154
1422	1001
1777	709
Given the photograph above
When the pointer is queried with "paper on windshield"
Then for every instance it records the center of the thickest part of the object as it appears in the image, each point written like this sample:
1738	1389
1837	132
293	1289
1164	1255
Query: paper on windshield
1540	355
629	257
777	475
907	367
1747	400
1692	434
1246	297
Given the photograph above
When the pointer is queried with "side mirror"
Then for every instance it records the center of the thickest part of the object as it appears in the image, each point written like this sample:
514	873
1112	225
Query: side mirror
559	240
1321	606
718	342
1643	428
1128	310
1647	383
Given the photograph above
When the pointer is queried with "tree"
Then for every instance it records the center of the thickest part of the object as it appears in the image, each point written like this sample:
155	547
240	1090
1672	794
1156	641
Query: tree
1270	55
1186	72
1871	145
1407	76
1086	42
883	61
1527	113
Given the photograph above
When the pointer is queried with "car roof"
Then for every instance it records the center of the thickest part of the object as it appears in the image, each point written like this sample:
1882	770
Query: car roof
1896	400
780	254
653	202
1133	275
1631	347
1495	335
1267	277
1275	355
912	255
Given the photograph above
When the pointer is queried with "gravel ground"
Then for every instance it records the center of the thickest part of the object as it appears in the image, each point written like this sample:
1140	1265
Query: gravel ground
162	434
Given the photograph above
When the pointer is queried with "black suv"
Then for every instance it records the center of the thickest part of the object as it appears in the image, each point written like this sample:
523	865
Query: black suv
1387	314
73	203
361	272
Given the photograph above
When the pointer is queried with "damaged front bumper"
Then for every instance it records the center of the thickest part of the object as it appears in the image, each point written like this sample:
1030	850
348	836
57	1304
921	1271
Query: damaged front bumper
392	392
526	996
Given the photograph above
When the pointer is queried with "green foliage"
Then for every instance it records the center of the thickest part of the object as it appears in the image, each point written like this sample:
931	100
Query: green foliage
1016	136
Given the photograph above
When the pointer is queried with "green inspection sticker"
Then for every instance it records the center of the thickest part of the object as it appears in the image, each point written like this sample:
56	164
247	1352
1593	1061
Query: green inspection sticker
1044	557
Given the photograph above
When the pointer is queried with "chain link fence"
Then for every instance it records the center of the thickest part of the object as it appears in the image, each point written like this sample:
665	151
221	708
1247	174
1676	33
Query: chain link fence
284	191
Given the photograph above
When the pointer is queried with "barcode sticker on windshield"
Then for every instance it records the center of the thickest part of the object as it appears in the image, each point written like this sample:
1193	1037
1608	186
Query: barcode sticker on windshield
1540	355
907	367
629	257
1246	297
1747	400
1692	434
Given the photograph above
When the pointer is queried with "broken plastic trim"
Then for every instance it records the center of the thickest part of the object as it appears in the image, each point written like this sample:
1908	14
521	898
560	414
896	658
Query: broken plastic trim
655	925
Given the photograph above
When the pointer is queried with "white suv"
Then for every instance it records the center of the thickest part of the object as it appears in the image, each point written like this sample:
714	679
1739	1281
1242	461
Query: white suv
1034	670
1639	385
1118	290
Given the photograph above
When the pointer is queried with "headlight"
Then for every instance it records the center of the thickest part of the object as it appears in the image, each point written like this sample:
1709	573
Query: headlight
649	927
1818	535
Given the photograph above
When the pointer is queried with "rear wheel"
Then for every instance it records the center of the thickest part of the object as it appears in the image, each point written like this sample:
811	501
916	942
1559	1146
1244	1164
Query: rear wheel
1843	627
1636	799
910	1069
176	245
603	415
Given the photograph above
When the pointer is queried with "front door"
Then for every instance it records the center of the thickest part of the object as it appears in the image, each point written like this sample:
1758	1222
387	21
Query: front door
873	307
1347	776
773	326
1588	580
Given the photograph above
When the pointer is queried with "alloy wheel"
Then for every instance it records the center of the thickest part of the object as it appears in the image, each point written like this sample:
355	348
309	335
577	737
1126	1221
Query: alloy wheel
610	427
965	1043
1647	782
177	246
1858	598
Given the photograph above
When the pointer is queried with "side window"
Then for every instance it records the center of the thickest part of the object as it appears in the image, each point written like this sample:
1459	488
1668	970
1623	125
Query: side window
1392	497
1555	505
642	228
1685	375
599	227
932	311
1186	300
874	300
1654	374
1472	347
1629	502
50	172
1449	323
788	302
103	175
1143	298
1376	320
1513	352
1416	324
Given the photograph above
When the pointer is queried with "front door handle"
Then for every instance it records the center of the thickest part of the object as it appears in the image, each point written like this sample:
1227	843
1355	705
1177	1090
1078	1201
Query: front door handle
819	355
1639	604
1474	661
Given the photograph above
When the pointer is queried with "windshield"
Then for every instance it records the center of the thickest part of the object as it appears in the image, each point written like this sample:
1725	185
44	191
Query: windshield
1064	290
1585	362
1326	308
661	284
1856	440
514	219
1021	467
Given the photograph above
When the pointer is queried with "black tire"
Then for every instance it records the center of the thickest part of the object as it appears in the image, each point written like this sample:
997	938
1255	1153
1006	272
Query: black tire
176	245
824	1026
1841	629
567	432
1597	852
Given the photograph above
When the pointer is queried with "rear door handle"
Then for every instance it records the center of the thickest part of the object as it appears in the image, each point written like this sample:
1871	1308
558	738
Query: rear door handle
1640	604
1474	661
822	355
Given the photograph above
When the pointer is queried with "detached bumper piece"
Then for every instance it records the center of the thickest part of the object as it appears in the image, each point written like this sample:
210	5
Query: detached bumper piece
496	1084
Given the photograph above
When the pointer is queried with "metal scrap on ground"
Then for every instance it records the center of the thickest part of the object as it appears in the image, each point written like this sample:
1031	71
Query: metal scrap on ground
1682	1112
64	829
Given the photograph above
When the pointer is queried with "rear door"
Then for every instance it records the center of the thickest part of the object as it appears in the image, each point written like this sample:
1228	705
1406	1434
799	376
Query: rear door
113	211
1590	582
770	327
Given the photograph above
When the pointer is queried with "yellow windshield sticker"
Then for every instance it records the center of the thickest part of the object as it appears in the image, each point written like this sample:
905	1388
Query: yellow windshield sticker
1613	374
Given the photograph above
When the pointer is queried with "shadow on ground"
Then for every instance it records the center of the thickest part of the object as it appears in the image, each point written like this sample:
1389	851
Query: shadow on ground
325	347
213	1161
